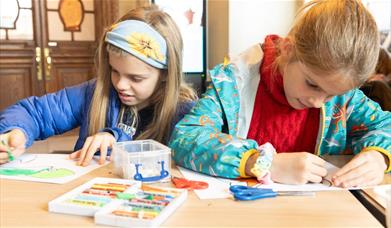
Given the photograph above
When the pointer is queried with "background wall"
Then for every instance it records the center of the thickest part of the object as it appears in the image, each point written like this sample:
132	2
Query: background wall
250	21
235	25
217	31
125	5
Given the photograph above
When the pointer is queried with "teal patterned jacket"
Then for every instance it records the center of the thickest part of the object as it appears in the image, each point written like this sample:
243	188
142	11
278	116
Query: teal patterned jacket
211	139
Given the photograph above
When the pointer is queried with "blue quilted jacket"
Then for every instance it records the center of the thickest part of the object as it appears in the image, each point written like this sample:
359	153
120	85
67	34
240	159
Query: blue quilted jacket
56	113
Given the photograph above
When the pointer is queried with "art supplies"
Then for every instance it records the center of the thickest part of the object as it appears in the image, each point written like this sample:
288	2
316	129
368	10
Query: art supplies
120	202
149	207
48	168
218	188
189	184
245	193
91	196
142	160
9	153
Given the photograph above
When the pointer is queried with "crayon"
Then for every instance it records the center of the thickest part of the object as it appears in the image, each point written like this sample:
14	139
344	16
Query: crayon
135	214
85	203
136	200
98	192
8	150
109	187
86	197
150	207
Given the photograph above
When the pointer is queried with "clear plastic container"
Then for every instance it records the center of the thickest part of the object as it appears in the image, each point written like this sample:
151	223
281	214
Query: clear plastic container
142	160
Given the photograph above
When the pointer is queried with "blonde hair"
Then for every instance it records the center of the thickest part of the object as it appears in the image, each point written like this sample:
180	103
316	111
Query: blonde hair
170	90
336	36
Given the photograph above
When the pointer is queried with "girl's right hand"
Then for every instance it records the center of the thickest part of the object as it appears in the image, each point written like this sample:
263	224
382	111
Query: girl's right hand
15	141
297	168
100	141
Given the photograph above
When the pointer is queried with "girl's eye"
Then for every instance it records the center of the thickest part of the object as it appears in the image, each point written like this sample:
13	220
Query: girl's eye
114	72
137	79
311	85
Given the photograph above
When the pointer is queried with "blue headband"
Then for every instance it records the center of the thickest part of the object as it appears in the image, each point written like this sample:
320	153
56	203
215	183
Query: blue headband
141	40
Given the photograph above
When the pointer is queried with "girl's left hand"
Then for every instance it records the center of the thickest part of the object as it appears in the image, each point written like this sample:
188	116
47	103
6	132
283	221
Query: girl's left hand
365	169
101	141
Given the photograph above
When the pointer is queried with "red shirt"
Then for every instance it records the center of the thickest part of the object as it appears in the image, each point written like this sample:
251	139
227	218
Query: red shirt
273	119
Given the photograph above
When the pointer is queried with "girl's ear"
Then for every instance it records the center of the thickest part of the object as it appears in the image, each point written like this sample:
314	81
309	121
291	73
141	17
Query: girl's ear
286	48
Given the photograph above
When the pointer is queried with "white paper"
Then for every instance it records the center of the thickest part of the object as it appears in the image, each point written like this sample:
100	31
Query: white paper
218	187
311	187
384	191
48	168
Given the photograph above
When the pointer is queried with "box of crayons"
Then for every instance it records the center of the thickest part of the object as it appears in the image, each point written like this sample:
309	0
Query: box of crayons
90	197
150	206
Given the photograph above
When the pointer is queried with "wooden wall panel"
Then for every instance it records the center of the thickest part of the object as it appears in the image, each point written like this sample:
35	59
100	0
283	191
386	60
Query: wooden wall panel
217	31
15	84
73	76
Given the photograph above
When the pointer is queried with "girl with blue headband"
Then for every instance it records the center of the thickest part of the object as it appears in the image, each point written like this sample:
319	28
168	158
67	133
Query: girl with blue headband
138	93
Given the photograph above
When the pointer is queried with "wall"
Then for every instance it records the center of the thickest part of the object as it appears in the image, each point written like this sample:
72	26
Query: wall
234	25
250	21
217	31
125	5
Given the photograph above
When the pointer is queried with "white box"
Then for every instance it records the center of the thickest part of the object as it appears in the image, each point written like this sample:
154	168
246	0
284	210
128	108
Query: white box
142	160
86	200
105	216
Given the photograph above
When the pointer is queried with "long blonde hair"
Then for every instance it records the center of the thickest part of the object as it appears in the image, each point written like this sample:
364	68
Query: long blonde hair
171	88
336	36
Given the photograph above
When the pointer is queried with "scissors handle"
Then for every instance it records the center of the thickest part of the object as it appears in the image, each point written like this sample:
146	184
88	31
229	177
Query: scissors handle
247	193
189	184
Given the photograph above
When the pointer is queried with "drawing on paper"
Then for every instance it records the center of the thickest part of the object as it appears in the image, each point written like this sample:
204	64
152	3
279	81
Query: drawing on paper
50	168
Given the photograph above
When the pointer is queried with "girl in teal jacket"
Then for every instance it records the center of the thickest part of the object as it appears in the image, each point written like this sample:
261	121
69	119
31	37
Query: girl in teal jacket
298	95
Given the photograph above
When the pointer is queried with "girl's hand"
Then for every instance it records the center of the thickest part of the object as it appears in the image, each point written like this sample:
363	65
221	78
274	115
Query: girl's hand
15	141
101	141
364	169
297	168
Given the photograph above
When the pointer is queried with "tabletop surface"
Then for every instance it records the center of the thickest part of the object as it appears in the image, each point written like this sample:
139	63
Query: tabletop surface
26	204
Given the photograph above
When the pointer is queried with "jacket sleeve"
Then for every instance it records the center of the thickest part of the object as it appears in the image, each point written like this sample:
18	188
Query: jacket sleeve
51	114
368	127
200	141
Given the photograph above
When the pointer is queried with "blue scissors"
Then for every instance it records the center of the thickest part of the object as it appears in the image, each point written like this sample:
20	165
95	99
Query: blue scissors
241	192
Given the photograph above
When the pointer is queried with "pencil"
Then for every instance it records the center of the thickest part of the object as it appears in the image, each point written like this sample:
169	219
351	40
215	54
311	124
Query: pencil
10	156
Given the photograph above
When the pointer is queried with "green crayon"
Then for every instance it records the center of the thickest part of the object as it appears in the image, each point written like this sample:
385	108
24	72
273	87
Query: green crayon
10	156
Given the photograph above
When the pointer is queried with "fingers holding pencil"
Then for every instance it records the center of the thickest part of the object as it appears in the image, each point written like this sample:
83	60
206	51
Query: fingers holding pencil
12	144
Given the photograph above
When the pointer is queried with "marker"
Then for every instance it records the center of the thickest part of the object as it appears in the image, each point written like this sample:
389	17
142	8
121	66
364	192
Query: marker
10	156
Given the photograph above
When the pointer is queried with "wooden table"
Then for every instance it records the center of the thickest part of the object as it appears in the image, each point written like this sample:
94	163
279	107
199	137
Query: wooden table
374	202
26	204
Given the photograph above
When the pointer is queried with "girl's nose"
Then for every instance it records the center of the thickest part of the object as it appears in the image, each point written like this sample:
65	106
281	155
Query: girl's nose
123	83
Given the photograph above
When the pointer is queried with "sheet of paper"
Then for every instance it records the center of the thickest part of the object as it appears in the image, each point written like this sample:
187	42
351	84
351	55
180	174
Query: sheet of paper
218	187
312	187
49	168
384	191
